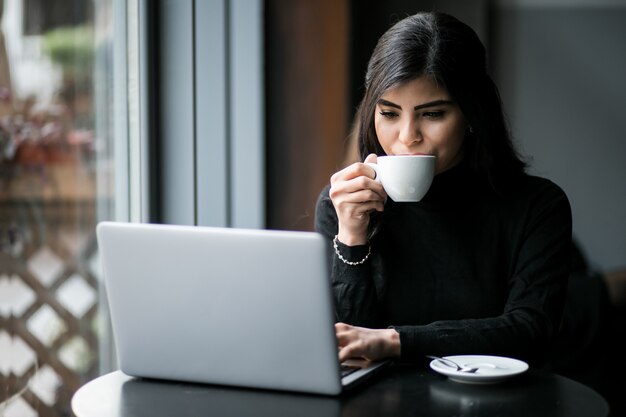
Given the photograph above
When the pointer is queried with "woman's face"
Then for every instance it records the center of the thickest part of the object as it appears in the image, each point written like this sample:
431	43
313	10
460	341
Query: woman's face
419	117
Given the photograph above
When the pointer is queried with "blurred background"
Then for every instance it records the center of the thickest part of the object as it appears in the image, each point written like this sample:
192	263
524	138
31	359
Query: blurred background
558	64
236	113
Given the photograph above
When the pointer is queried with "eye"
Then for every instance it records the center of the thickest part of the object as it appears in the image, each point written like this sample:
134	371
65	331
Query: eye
433	115
388	114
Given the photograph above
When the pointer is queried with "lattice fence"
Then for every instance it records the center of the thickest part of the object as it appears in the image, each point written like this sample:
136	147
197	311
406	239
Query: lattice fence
48	305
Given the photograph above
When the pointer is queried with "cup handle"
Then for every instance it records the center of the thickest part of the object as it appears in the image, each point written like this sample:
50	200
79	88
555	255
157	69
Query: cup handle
375	168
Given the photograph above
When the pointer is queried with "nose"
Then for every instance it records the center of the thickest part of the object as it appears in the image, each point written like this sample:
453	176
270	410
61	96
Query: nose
409	132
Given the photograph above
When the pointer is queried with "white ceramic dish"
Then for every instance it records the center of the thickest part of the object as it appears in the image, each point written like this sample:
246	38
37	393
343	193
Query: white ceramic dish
491	369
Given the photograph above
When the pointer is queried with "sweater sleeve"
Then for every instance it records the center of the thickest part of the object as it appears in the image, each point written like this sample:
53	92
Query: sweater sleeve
356	295
536	294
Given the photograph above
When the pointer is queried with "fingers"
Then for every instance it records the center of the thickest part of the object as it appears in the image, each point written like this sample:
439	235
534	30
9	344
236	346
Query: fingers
356	184
345	334
356	170
349	352
351	341
371	344
339	326
347	341
355	193
371	158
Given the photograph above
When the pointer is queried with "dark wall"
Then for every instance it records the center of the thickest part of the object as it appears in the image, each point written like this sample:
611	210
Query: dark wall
306	104
561	70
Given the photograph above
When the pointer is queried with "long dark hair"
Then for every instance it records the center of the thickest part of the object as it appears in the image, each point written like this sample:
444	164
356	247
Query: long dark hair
440	46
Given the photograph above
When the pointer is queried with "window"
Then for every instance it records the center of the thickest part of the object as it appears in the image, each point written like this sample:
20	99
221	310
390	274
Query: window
60	173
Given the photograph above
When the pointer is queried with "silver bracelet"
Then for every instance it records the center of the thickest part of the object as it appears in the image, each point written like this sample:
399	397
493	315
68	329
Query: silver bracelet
344	260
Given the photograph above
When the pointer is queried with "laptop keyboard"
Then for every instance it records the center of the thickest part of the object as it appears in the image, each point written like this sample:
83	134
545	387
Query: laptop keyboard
347	370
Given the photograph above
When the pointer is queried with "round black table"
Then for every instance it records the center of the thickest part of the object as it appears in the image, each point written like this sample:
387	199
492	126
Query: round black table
398	391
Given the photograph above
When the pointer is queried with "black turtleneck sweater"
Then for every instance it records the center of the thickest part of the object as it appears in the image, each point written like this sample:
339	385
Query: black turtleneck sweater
465	271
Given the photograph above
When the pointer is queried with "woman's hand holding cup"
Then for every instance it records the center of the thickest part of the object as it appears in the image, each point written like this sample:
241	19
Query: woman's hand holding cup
355	193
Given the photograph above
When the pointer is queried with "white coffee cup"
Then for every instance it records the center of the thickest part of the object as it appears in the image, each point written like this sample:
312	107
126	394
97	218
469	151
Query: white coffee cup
405	178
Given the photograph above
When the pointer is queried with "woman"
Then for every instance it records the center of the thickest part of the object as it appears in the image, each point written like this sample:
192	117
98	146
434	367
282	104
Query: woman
480	265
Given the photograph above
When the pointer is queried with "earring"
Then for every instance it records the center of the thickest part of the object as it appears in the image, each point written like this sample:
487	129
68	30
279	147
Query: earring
470	128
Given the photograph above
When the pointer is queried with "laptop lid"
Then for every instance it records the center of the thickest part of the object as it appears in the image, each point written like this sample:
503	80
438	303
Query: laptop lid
220	305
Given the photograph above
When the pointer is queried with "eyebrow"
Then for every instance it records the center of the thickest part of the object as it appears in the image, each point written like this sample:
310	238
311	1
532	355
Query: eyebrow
418	107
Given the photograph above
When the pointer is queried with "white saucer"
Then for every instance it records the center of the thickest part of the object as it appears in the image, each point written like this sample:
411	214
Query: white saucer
491	369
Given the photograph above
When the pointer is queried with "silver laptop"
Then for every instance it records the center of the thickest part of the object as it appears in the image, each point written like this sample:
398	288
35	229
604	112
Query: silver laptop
239	307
